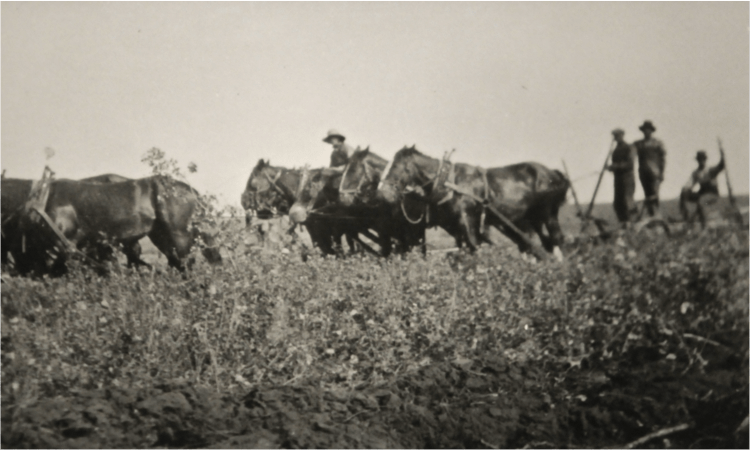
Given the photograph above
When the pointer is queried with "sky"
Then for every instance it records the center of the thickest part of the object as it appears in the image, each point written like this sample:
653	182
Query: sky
222	85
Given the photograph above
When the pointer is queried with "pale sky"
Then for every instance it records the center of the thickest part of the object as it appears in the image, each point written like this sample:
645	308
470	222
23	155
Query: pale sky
224	84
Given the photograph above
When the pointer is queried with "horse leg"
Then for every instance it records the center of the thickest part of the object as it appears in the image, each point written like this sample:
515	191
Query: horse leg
132	250
351	242
386	246
470	230
320	236
556	235
459	238
174	244
538	227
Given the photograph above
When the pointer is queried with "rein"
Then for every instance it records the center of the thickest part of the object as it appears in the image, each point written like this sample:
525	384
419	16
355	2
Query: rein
343	177
272	183
386	171
365	179
303	182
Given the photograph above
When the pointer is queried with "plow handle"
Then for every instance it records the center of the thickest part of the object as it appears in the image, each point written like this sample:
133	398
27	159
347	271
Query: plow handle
599	181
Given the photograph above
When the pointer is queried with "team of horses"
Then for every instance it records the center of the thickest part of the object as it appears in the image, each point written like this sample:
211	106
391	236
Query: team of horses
377	205
393	203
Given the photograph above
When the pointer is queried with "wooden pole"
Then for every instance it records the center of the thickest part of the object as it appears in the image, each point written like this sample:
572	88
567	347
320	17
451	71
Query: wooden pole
572	189
732	201
599	181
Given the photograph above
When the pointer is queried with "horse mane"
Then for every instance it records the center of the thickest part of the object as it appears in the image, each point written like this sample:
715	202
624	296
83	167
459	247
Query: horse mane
407	151
361	155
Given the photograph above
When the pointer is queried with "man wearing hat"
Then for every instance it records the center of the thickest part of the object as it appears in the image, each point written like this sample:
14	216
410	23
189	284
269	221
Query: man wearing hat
651	161
341	151
622	167
708	192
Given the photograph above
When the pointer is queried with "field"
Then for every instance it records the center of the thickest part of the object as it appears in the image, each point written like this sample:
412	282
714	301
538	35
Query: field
623	339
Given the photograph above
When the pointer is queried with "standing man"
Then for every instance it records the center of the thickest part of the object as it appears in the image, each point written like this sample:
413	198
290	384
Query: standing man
341	151
623	166
651	161
705	177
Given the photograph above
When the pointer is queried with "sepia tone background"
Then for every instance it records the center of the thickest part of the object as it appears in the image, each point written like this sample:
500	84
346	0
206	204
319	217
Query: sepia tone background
224	84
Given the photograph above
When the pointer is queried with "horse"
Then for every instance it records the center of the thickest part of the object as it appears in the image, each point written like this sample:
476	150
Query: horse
15	192
454	196
271	191
88	213
319	209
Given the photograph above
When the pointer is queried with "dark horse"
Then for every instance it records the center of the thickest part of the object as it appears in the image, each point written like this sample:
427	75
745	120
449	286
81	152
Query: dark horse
132	250
271	191
358	195
15	192
316	206
528	194
122	212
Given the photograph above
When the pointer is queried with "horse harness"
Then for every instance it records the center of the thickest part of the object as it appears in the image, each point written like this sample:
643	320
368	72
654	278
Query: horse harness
365	179
273	185
272	182
449	183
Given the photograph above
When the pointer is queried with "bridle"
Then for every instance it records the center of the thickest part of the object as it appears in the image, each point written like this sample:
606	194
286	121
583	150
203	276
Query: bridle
362	181
275	186
302	183
419	188
272	183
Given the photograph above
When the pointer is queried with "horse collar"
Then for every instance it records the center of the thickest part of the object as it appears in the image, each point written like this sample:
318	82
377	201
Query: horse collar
451	178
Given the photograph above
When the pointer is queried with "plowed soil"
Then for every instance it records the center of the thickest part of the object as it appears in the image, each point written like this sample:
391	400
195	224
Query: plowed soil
488	402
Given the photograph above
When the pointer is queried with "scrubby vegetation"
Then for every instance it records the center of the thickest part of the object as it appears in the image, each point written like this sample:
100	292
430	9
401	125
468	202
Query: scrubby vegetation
620	340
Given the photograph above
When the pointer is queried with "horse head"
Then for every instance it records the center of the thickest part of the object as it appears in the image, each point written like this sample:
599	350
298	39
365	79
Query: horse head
408	170
269	191
361	177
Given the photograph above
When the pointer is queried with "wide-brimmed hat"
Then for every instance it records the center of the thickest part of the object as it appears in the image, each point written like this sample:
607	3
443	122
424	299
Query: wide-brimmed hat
618	132
647	125
332	134
701	155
